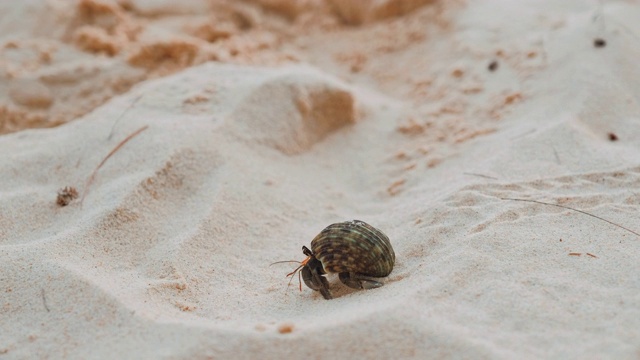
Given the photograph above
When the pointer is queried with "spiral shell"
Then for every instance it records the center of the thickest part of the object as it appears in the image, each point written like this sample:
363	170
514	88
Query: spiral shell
354	247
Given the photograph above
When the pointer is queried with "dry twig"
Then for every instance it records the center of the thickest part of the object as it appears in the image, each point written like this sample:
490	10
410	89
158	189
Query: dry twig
93	175
570	208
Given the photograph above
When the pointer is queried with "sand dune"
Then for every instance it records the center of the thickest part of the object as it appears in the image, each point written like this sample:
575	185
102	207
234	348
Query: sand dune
262	122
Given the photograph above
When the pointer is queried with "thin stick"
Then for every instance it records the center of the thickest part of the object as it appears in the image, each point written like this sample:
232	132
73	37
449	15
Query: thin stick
556	154
480	175
122	114
580	211
93	175
44	300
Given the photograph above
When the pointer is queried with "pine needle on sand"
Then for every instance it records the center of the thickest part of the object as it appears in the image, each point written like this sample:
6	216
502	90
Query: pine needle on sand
113	151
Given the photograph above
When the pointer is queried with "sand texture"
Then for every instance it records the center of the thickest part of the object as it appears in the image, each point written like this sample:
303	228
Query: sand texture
235	131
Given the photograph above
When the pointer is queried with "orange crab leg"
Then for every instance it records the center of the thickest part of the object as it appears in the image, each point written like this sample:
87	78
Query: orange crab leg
297	270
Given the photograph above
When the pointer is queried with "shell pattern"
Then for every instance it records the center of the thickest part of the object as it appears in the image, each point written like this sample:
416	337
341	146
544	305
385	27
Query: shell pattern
355	247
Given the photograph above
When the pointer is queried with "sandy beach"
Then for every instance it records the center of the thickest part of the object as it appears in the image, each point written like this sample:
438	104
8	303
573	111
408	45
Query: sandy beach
158	156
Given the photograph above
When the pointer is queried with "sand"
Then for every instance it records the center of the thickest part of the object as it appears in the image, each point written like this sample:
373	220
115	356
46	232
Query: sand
258	123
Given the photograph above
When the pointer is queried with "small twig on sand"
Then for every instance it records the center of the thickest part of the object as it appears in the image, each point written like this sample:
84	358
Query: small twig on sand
555	152
93	175
44	300
121	115
570	208
480	175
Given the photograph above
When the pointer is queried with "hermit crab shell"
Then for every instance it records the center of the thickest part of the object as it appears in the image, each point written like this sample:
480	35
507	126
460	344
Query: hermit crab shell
355	247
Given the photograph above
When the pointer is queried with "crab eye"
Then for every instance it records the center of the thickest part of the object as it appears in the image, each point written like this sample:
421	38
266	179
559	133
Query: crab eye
306	251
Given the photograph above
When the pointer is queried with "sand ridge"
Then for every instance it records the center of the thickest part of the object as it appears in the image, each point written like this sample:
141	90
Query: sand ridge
264	122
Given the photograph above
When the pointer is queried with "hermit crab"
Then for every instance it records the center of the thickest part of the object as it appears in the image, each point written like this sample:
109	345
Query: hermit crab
353	249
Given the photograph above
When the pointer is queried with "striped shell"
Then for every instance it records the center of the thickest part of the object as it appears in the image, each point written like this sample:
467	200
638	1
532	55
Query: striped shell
354	246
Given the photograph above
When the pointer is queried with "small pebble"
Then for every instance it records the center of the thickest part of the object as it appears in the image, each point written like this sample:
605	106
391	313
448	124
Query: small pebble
66	195
285	328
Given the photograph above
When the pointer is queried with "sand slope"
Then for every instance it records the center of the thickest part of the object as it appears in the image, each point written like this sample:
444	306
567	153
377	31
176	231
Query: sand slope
398	122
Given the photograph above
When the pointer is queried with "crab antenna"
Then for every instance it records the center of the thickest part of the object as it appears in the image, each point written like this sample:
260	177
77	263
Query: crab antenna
285	261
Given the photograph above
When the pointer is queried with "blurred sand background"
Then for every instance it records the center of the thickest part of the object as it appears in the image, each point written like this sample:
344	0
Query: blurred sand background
265	121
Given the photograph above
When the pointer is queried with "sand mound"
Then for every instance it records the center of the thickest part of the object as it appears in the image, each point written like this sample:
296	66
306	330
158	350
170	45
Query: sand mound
466	132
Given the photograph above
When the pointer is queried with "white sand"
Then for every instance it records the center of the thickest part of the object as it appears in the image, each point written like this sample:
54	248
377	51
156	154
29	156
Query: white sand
269	120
